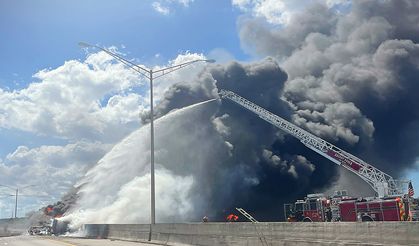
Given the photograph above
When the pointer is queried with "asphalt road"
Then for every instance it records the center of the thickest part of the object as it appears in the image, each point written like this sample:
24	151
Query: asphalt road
59	241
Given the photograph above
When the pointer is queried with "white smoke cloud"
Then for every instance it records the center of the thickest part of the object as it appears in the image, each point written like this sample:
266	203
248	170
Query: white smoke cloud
132	201
117	189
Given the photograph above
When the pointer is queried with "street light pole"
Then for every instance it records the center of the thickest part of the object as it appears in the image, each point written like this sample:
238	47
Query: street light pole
17	192
153	186
150	74
16	196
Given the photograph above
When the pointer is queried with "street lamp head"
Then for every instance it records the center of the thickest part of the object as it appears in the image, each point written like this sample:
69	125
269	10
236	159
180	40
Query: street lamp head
1	185
210	61
27	186
85	45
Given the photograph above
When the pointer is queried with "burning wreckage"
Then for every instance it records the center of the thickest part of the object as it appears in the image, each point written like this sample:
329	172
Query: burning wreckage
47	220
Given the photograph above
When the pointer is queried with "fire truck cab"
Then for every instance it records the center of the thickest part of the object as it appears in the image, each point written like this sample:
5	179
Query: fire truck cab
314	208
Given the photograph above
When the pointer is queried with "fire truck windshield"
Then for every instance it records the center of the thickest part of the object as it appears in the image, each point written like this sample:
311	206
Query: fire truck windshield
299	207
313	205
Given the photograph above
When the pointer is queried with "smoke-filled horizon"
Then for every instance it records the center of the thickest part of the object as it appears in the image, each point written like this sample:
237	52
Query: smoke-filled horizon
350	78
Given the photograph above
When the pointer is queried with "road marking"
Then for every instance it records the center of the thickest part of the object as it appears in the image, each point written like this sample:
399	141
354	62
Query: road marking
62	242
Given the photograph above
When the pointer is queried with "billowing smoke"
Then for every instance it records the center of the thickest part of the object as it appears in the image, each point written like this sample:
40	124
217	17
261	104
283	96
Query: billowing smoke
353	78
265	168
348	78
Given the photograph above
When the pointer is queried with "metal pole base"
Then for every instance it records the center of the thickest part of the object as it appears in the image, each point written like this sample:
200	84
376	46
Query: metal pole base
149	235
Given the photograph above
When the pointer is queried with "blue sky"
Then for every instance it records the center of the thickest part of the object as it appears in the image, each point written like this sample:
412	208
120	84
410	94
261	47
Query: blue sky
43	75
43	34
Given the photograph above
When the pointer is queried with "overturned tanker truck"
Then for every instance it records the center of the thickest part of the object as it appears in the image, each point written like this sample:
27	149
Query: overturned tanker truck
392	201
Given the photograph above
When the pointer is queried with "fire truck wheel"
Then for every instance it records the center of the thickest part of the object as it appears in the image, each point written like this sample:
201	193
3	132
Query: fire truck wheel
366	218
307	219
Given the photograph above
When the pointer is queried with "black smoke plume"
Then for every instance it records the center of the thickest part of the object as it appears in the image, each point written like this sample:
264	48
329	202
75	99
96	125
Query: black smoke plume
350	78
353	79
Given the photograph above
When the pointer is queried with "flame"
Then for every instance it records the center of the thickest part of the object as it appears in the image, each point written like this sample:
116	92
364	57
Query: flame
48	210
232	217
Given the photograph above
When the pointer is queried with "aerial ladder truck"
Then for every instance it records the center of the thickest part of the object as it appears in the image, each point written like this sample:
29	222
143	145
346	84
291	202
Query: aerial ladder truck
390	203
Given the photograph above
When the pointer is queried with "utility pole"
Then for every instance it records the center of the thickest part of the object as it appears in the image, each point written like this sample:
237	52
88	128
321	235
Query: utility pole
16	195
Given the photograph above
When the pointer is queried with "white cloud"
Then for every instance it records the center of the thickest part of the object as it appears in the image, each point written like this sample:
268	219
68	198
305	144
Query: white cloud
332	3
183	2
51	169
164	6
94	99
184	75
274	11
66	101
161	9
279	11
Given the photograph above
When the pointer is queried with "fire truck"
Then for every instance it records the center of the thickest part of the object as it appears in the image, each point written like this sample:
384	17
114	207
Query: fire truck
392	203
320	208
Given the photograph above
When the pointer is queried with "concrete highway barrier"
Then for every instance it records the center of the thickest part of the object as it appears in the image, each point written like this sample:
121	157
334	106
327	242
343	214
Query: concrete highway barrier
280	233
14	226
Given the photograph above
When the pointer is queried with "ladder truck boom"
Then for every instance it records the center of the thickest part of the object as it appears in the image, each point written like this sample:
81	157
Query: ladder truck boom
383	184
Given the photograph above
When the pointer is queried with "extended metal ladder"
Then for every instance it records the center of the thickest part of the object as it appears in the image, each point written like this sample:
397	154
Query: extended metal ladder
247	215
382	183
253	220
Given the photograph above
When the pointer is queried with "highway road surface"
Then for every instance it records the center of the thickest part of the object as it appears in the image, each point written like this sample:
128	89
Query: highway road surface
62	241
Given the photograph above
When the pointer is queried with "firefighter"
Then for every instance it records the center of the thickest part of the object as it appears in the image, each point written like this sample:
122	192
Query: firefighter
299	216
291	216
232	218
328	214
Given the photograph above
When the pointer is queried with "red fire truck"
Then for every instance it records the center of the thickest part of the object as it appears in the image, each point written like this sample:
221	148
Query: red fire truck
391	204
319	208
